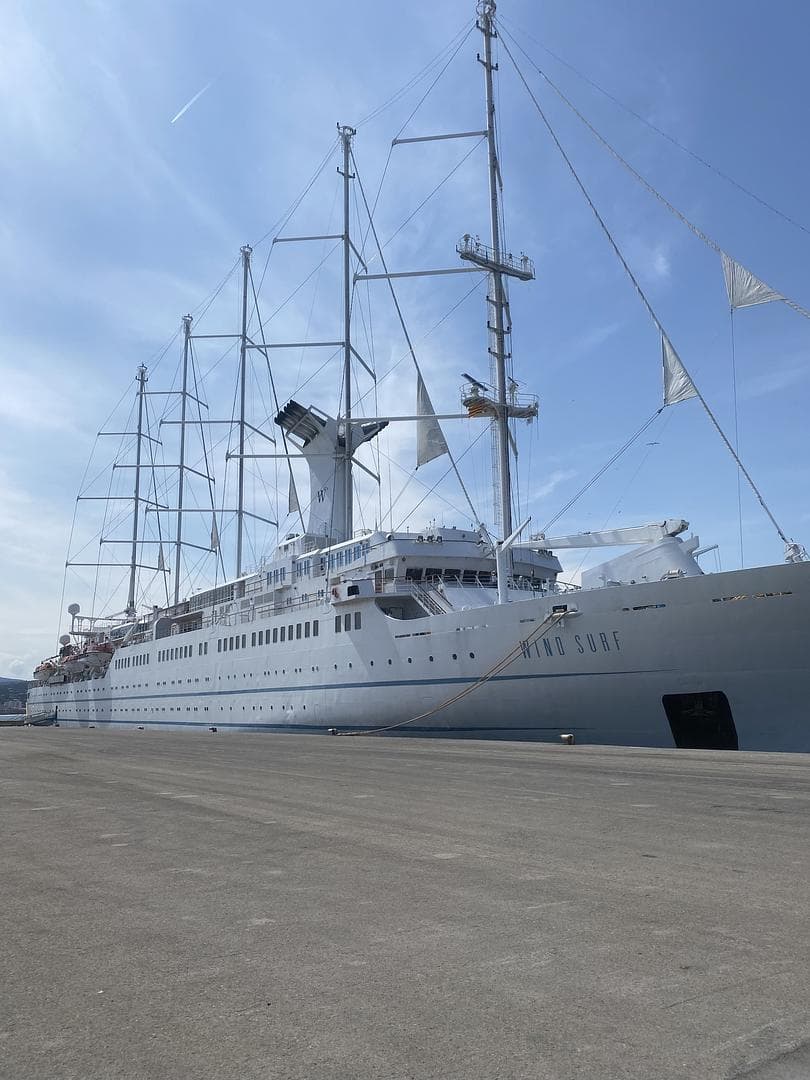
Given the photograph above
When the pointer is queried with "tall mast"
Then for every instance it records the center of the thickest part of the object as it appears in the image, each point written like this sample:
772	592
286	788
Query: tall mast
346	135
187	320
246	252
486	24
133	562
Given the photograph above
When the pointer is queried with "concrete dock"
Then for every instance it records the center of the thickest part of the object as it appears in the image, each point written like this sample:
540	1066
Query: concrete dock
282	907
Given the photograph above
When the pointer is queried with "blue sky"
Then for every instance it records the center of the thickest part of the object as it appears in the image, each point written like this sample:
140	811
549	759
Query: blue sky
116	221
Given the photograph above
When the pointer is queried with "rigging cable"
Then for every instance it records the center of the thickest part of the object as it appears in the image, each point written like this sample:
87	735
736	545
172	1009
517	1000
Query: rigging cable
442	478
643	296
653	127
736	430
693	228
466	29
476	517
266	355
411	116
601	472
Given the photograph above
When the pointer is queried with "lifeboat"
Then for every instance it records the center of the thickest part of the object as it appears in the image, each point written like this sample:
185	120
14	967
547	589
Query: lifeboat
44	671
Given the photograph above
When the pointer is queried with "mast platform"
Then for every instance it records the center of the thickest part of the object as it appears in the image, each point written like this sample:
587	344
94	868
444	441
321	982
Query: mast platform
479	401
474	251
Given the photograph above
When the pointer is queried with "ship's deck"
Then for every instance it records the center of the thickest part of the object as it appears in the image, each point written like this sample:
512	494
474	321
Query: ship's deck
246	906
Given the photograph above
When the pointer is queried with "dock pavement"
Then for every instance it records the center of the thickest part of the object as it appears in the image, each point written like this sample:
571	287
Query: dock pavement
276	907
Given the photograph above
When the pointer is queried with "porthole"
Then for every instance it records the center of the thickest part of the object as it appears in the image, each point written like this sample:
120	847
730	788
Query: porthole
472	655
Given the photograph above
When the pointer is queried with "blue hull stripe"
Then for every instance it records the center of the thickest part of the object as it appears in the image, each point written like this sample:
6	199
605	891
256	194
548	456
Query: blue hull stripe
191	692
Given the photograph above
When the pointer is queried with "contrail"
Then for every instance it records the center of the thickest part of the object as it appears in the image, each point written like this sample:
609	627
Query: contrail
188	104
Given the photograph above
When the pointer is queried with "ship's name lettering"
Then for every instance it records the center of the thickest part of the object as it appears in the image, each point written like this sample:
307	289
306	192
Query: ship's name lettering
582	643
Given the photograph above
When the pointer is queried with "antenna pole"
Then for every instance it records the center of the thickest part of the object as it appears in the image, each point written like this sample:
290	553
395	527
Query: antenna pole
497	301
346	135
133	563
246	252
187	321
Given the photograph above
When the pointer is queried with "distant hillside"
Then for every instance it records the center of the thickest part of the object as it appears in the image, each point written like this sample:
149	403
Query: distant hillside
12	694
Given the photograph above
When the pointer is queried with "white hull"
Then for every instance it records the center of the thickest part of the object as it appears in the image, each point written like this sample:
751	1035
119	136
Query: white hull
600	674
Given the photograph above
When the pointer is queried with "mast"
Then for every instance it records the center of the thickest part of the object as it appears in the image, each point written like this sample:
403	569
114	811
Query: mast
187	320
133	562
346	135
486	24
246	252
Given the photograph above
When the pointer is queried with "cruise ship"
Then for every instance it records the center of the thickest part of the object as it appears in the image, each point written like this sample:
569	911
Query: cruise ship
455	631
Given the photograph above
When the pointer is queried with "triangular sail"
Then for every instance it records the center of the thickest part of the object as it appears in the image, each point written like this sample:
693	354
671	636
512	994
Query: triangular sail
743	288
678	385
430	441
293	506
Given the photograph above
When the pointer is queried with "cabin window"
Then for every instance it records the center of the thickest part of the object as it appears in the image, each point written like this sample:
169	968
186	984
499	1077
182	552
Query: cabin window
261	637
306	629
244	641
413	573
283	632
347	621
230	644
315	628
433	573
219	645
338	624
290	632
275	634
253	639
297	631
357	620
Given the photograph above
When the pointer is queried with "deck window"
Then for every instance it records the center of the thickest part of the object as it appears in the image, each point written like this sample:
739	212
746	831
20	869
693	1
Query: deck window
357	620
347	621
338	624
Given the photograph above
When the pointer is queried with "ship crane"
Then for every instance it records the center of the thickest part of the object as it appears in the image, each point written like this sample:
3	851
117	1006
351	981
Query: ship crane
637	534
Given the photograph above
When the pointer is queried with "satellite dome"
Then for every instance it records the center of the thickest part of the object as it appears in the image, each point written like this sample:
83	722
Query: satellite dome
64	639
73	609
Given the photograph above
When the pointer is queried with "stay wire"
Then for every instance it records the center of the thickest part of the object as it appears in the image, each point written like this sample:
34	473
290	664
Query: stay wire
476	517
736	431
654	127
693	228
643	295
601	472
273	389
465	31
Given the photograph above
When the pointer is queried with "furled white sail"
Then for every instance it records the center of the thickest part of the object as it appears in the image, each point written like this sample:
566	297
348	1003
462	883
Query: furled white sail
745	290
214	535
161	565
430	442
678	385
293	505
